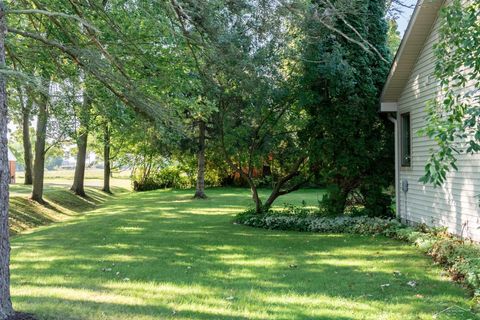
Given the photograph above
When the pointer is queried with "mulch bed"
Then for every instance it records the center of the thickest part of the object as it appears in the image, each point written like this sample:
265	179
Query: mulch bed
22	316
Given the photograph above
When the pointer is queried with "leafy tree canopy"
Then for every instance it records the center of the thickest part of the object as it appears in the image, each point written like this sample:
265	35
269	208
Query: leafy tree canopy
453	120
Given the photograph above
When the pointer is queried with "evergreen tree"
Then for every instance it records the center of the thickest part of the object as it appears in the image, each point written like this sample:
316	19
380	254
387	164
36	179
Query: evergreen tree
350	142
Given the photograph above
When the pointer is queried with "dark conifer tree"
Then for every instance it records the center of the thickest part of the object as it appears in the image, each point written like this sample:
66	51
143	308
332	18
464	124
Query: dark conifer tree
351	143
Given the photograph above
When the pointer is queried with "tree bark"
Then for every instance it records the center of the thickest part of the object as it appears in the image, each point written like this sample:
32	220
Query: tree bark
200	189
78	186
107	169
27	145
277	189
6	308
41	136
259	208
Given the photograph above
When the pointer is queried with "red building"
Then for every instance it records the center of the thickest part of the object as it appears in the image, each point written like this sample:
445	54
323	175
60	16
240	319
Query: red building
12	163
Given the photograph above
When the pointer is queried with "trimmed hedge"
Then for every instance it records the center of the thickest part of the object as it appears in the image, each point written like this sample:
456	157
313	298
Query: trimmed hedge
459	257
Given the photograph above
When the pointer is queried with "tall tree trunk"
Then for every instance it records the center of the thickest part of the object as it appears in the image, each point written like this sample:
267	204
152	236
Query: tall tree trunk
27	145
107	169
200	190
41	136
78	186
6	308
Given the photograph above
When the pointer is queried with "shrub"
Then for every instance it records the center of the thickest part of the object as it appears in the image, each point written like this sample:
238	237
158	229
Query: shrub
308	222
372	202
459	257
169	177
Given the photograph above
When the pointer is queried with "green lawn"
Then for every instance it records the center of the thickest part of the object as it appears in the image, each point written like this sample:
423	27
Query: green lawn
56	179
162	255
62	204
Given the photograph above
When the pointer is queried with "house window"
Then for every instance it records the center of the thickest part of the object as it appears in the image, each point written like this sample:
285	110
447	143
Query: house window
406	140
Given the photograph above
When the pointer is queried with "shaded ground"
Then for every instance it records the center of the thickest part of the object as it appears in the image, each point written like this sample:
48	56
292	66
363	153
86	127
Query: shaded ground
62	204
22	316
162	255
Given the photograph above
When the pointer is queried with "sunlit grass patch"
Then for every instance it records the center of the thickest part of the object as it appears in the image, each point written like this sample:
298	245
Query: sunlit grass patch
163	255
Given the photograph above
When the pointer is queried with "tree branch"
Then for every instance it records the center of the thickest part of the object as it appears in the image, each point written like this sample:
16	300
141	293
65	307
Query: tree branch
54	14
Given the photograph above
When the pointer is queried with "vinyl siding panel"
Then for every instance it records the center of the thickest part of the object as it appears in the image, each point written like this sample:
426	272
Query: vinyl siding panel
454	205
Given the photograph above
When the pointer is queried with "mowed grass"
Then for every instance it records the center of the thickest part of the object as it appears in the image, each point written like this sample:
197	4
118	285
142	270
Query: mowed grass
62	204
163	255
62	179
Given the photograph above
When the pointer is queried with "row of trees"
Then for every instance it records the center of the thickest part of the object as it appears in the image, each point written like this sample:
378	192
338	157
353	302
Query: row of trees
292	85
249	84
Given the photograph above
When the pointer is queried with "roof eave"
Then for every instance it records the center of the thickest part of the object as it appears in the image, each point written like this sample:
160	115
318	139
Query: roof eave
427	10
389	107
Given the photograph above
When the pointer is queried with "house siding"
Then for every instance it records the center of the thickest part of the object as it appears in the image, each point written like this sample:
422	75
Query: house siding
454	205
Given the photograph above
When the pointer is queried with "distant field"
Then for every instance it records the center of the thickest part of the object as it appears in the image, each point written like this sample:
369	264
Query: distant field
62	178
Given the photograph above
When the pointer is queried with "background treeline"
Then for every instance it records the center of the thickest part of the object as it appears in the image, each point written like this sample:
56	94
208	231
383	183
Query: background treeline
281	93
278	94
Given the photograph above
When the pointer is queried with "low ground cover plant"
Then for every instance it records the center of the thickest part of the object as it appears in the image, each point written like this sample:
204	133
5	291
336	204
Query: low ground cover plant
460	257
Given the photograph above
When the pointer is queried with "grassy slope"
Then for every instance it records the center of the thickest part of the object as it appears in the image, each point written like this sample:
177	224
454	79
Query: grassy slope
62	204
162	255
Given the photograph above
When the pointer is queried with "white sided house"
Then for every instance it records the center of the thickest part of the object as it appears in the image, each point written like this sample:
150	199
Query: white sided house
410	85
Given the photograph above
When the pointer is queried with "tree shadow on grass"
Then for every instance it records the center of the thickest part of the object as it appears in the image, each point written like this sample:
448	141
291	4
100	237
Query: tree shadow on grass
148	257
60	204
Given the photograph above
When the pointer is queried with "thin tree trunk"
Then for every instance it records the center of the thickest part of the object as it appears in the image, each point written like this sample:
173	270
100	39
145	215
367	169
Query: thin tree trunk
277	188
200	190
27	145
6	308
107	170
275	194
41	136
253	188
78	186
256	198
